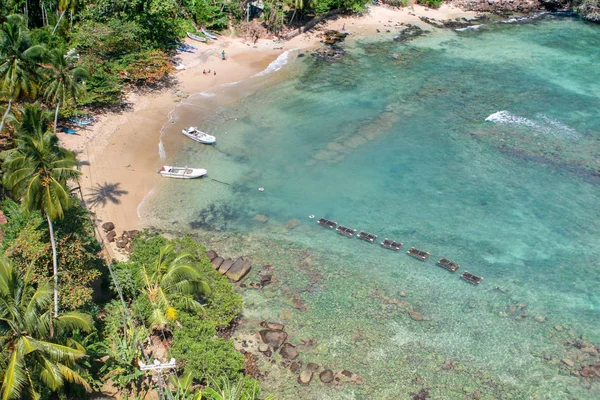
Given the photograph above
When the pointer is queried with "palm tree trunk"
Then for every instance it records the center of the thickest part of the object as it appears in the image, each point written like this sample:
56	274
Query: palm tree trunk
62	14
54	265
6	113
56	117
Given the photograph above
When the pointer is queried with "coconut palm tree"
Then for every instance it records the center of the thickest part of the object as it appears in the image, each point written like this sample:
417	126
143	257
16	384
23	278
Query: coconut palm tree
37	170
18	61
63	7
64	80
173	281
28	358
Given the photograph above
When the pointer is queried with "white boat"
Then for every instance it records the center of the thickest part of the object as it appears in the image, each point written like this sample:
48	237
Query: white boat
195	37
181	173
208	35
193	133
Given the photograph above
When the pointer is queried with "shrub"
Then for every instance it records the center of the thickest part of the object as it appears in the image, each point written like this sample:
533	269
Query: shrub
431	3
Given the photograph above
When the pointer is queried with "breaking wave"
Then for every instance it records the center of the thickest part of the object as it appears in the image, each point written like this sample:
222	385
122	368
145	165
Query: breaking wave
277	64
470	28
543	124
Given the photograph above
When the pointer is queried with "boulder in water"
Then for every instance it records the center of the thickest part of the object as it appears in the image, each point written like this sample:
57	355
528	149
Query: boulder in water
326	376
216	262
289	351
273	338
225	266
211	254
305	377
239	269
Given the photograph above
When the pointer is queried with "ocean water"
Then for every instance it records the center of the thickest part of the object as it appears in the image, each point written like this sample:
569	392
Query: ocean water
482	146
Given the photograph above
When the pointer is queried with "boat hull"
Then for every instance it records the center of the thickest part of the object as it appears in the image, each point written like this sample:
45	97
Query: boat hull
181	173
205	139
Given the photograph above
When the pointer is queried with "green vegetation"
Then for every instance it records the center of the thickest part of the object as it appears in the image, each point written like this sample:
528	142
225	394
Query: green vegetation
431	3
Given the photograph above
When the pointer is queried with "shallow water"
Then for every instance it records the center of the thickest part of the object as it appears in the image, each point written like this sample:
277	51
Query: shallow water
394	141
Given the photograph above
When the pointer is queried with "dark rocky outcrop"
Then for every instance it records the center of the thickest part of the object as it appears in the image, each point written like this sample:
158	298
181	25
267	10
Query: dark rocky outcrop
108	226
273	338
225	266
408	33
211	254
239	269
216	262
500	6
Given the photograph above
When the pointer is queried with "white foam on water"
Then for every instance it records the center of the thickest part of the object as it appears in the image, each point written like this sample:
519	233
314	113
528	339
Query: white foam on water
470	28
504	117
523	19
230	84
139	207
544	124
161	150
207	94
277	64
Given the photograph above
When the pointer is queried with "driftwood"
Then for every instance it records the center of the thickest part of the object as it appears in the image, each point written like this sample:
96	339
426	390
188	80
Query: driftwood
310	24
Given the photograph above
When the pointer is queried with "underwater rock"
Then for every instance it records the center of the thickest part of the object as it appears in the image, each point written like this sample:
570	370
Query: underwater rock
415	315
332	37
225	266
273	325
539	318
312	367
260	218
273	338
289	351
211	254
239	269
295	367
305	377
263	348
216	262
326	376
410	32
265	280
292	223
568	362
108	226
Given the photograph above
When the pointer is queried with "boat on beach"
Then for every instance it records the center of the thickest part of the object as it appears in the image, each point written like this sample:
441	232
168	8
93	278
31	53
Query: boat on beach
327	223
208	35
368	237
418	254
391	244
469	277
345	231
169	171
447	264
195	37
193	133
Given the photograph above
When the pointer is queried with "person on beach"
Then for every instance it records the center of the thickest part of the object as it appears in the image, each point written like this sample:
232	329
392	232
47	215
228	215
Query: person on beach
223	55
209	71
203	72
215	73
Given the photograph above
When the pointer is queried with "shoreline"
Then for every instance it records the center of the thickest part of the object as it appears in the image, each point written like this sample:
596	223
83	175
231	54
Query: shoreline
119	154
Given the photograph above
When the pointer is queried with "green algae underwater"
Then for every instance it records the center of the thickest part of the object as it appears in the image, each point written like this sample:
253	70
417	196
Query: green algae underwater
482	146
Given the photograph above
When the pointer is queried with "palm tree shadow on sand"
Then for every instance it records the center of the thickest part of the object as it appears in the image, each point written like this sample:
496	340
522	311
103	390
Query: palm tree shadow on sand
101	194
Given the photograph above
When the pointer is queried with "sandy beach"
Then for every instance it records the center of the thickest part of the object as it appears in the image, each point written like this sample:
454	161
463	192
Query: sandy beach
119	152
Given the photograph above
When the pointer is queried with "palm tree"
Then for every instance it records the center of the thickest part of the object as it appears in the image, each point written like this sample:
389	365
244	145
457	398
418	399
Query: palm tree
37	170
28	358
63	6
64	79
18	61
174	280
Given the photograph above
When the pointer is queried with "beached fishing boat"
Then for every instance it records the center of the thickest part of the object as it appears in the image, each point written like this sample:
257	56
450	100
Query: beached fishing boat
469	277
327	223
418	254
391	244
369	237
447	264
193	133
345	231
196	37
208	35
181	173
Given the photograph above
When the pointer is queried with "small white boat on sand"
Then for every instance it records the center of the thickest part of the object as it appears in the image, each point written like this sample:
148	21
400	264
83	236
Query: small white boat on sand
193	133
182	173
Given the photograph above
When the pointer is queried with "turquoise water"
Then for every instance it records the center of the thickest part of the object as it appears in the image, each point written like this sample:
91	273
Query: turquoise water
394	140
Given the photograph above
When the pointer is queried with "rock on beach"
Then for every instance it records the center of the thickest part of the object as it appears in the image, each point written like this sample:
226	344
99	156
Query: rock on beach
273	338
